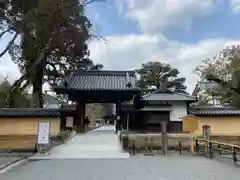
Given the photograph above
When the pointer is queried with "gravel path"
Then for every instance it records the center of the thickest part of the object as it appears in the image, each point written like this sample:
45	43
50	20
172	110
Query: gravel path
98	156
174	167
4	160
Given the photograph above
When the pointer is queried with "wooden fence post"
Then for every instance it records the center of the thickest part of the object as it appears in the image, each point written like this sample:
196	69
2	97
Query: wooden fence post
206	132
207	136
164	137
193	144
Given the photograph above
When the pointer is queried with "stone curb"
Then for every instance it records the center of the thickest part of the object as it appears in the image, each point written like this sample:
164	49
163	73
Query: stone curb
13	162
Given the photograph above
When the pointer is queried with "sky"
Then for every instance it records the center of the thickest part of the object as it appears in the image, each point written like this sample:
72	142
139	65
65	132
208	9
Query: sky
181	33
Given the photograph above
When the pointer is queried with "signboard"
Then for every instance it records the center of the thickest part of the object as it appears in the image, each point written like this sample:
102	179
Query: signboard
43	132
69	122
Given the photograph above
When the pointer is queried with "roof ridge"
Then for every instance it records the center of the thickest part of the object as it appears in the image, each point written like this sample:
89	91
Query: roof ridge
29	109
150	93
170	95
215	111
168	91
103	72
214	108
158	91
184	94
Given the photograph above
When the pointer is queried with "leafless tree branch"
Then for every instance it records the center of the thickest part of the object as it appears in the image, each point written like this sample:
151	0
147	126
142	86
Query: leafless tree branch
4	32
9	45
100	38
86	2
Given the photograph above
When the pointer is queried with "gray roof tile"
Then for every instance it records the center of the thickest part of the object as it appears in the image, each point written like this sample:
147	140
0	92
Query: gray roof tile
215	111
102	80
168	96
157	108
29	112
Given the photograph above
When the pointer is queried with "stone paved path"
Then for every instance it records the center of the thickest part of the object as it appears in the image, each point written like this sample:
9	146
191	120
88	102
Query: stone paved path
99	143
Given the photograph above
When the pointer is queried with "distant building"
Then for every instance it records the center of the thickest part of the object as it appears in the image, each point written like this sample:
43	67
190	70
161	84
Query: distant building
94	111
205	92
161	106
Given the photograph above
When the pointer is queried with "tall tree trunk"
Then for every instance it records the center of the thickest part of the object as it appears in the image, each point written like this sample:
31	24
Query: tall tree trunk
37	100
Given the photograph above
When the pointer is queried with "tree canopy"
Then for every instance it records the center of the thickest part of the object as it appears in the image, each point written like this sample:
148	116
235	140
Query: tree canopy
224	69
19	98
158	74
53	36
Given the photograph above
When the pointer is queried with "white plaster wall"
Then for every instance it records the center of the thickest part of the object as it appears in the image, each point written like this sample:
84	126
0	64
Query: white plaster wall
178	112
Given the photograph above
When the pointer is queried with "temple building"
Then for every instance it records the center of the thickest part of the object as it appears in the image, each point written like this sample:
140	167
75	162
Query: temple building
83	87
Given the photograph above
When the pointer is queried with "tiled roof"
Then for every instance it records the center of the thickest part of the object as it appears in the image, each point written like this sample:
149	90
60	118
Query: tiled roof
102	80
215	111
29	112
156	108
168	96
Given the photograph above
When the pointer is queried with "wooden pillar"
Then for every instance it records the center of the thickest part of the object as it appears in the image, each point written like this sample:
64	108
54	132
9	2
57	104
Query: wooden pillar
164	137
207	136
118	104
83	112
206	132
117	125
62	121
79	116
127	121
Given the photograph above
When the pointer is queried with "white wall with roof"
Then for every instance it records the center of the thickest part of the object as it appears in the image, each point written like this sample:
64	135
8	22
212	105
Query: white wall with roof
179	110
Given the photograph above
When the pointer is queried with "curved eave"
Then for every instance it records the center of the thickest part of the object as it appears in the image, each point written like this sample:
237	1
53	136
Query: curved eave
189	101
218	115
64	90
192	101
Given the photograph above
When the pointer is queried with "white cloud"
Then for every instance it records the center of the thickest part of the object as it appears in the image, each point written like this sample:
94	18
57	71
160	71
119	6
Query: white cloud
235	5
129	51
155	15
9	69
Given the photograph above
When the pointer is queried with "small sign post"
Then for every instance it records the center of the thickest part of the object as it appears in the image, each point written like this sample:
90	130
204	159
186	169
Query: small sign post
43	134
69	122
